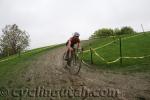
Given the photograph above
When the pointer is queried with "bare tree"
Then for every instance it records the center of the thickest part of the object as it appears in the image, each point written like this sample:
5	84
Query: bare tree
13	40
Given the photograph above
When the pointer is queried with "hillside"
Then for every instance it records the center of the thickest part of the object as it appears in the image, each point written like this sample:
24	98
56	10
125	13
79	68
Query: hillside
135	53
26	77
12	65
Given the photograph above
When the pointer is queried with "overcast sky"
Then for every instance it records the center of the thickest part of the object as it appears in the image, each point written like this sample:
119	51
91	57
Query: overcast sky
53	21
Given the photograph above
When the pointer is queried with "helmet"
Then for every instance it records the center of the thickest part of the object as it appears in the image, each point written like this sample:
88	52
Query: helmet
76	34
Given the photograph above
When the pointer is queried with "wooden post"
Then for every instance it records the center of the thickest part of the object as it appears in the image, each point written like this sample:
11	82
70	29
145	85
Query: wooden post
120	50
91	53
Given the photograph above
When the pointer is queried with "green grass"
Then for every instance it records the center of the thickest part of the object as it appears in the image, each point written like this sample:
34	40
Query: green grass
13	65
132	47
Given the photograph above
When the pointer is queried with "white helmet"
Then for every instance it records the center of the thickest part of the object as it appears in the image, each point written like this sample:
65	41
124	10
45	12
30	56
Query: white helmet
76	34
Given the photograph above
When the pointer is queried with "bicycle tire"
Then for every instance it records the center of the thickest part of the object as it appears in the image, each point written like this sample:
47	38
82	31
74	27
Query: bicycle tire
75	68
72	68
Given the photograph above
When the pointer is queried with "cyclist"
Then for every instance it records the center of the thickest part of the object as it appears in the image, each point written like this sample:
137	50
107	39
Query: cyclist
70	44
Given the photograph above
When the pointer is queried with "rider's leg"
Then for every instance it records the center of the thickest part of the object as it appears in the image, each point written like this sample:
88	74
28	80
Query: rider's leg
67	54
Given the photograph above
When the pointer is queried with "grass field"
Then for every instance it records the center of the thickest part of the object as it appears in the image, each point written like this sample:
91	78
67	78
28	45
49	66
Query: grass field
10	67
131	47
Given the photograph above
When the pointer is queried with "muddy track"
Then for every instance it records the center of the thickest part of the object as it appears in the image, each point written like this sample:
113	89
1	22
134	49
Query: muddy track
48	72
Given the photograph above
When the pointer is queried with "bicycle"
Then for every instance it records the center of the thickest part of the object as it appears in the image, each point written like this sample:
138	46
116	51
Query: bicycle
74	62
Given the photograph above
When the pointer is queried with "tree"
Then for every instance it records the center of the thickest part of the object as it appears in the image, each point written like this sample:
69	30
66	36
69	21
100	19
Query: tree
0	52
13	40
117	31
102	33
127	30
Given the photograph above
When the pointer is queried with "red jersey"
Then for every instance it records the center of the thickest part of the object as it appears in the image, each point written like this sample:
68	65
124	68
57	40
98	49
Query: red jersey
73	41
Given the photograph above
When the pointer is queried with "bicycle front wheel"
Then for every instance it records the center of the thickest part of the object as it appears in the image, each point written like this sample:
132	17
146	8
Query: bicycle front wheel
75	65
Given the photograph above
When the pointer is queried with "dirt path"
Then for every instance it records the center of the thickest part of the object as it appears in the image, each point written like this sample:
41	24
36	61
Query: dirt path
47	72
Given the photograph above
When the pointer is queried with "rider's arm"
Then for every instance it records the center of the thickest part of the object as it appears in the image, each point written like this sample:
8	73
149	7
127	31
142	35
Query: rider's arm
69	44
78	45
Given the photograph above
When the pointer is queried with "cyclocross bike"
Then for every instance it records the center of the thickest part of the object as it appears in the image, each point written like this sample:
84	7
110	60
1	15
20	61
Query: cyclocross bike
74	63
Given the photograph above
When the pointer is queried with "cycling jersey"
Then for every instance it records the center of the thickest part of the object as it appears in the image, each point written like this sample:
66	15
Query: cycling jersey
73	41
